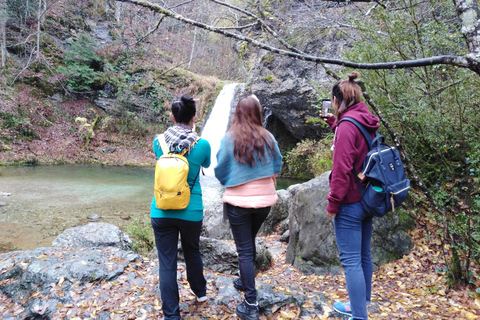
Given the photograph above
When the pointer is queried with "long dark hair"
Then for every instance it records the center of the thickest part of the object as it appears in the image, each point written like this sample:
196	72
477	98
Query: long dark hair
250	139
184	109
347	93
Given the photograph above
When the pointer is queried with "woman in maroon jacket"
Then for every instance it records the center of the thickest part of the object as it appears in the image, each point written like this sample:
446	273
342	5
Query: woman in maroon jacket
353	226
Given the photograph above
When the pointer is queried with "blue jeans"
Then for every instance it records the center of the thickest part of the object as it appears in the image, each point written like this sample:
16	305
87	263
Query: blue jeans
166	232
353	231
245	223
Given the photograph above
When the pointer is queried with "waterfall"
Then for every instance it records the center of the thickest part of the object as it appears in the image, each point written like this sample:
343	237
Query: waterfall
217	122
267	113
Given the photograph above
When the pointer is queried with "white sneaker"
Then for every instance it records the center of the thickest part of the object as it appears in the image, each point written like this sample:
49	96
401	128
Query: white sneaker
199	299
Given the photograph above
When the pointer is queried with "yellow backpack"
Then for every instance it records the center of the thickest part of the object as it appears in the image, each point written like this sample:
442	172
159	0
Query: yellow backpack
172	191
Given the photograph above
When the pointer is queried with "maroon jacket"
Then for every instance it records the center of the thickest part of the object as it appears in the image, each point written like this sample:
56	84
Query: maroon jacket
350	148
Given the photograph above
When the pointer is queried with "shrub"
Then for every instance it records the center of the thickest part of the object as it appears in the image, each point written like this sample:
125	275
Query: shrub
310	158
81	64
142	235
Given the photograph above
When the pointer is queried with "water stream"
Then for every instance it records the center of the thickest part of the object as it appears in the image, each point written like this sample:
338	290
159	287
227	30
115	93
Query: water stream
217	123
42	201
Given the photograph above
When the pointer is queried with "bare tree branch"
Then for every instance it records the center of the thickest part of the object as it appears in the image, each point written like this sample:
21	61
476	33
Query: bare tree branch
24	68
267	28
149	32
181	4
3	22
239	27
470	61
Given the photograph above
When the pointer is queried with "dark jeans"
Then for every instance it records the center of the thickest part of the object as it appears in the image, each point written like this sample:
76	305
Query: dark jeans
245	223
166	239
353	230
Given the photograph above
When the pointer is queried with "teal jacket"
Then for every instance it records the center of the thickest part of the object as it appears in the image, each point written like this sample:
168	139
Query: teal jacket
199	156
231	173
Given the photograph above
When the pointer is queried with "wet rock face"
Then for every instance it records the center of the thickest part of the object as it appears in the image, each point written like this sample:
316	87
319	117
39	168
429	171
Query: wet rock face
284	87
292	88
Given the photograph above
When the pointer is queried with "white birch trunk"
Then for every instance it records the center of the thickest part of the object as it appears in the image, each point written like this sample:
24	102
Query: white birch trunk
469	14
39	23
193	48
3	22
118	11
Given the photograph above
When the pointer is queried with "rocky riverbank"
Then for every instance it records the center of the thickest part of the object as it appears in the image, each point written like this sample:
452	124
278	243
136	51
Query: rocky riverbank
104	281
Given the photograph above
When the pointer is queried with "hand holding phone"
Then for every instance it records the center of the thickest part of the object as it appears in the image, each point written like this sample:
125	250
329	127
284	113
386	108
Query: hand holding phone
325	113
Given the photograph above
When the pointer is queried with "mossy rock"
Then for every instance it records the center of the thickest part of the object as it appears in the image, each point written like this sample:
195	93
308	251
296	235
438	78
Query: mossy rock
268	58
269	78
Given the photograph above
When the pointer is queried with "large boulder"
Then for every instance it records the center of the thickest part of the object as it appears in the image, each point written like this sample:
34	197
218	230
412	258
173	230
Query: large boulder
221	255
278	213
312	247
215	226
93	235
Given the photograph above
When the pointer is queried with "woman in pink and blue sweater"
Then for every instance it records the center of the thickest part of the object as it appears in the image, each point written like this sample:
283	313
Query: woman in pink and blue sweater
247	163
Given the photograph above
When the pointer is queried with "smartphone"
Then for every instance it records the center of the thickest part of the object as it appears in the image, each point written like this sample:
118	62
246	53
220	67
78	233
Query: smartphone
326	104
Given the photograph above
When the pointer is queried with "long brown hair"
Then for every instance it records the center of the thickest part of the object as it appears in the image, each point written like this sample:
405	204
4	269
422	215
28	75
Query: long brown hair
347	93
250	139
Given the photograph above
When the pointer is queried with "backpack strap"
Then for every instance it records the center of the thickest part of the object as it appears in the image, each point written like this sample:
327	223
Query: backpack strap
163	144
362	129
186	149
370	143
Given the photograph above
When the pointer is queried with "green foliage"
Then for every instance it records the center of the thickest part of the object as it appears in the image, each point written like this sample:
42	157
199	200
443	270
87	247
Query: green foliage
142	235
86	129
131	91
20	124
130	124
310	158
81	64
21	10
433	110
159	95
269	78
268	58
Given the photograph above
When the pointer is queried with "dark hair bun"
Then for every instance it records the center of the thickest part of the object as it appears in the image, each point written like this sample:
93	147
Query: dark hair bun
184	109
354	75
187	98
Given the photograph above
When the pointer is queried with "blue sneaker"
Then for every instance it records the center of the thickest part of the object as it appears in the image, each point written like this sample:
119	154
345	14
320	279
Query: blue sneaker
343	308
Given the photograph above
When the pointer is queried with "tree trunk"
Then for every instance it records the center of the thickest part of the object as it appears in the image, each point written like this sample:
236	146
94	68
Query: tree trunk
193	48
469	14
39	23
3	22
118	11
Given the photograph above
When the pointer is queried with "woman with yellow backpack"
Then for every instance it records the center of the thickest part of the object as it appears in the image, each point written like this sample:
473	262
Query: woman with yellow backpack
168	224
